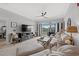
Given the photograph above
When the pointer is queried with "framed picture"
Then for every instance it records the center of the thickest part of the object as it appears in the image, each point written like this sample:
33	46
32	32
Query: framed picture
13	24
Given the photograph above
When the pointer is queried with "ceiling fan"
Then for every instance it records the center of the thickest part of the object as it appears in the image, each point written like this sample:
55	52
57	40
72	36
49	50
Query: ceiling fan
43	15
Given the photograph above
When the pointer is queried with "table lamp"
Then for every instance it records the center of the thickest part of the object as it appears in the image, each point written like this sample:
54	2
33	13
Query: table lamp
72	29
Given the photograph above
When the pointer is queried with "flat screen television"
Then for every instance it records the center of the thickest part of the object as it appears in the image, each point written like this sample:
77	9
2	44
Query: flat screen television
24	28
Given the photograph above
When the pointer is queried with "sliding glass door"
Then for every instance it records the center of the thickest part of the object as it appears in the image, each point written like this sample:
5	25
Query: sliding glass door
48	28
45	29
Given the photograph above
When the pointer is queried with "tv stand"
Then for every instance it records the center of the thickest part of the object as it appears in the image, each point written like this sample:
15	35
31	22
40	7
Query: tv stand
25	35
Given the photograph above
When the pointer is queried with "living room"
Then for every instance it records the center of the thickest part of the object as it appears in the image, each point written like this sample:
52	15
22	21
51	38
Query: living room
37	25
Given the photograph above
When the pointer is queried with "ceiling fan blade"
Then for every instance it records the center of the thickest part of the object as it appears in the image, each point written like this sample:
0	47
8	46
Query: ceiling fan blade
45	13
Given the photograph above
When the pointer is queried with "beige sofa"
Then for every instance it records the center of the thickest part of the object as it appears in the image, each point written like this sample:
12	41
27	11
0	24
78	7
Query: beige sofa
29	47
25	48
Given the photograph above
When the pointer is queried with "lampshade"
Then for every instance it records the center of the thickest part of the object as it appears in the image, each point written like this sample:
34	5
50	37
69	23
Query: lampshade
72	29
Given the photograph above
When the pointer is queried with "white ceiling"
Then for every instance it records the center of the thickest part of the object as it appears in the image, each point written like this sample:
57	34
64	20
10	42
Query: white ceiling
32	10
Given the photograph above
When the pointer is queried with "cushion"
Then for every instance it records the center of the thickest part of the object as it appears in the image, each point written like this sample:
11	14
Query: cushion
69	50
64	48
67	40
63	35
